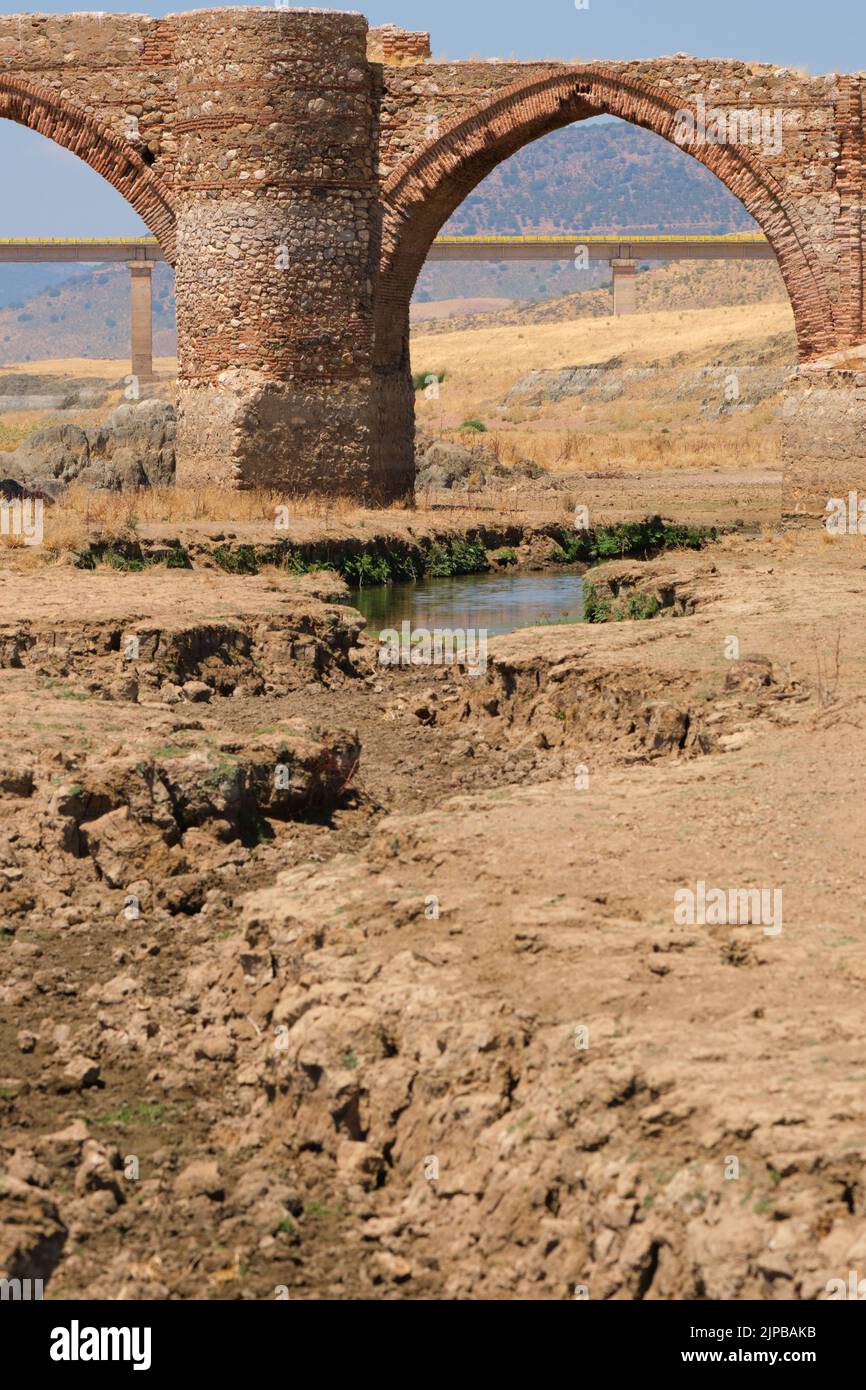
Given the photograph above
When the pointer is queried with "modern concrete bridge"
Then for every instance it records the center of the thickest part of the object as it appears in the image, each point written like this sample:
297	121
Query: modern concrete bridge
139	253
624	254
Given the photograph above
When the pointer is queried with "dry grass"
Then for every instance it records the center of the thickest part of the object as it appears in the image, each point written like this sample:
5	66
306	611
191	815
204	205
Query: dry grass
656	424
721	448
82	518
108	367
123	513
18	425
423	311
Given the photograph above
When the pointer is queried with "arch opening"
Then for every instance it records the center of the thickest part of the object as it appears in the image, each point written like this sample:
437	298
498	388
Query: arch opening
27	103
420	196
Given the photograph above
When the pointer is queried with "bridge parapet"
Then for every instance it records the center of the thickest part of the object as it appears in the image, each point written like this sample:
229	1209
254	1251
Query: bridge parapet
398	47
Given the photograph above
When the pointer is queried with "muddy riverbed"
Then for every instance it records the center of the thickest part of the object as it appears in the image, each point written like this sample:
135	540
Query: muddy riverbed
356	982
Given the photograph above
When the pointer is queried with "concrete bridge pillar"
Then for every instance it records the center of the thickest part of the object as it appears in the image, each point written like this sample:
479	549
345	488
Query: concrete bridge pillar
624	286
141	317
277	198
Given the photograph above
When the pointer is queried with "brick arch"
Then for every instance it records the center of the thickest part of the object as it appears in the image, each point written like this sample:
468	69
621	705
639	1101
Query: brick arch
420	196
32	105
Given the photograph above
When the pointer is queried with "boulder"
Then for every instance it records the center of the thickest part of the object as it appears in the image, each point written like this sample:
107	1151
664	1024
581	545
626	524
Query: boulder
134	448
445	464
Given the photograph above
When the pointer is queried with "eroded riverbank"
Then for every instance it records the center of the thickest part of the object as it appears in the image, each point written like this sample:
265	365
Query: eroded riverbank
284	994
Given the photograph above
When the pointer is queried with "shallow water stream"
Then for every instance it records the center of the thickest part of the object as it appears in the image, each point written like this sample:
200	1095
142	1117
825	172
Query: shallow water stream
496	603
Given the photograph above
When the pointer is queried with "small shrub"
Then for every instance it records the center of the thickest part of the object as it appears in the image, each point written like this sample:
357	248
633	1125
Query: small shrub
422	379
178	559
240	561
595	609
468	557
641	606
439	562
366	569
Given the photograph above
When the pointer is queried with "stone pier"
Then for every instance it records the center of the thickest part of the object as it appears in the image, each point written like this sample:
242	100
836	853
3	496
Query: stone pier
276	199
824	441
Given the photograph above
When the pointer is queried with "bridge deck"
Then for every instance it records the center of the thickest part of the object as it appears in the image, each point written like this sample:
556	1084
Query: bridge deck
615	246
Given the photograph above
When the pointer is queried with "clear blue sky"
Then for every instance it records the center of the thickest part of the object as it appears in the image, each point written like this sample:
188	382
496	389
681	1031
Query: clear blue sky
53	193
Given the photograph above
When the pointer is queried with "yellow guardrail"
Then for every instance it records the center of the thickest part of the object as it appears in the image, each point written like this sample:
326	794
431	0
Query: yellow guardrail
78	241
727	238
749	238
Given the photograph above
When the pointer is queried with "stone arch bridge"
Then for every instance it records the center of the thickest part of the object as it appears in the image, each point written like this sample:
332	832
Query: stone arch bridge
295	166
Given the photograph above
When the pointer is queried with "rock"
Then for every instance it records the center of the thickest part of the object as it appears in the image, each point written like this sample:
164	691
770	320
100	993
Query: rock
23	1165
359	1163
201	1179
394	1268
63	1148
119	846
79	1074
217	1045
97	1171
51	458
462	749
17	781
31	1232
197	691
114	991
598	381
444	464
666	726
528	468
134	448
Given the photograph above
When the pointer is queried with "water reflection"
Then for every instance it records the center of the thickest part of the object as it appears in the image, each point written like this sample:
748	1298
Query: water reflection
495	602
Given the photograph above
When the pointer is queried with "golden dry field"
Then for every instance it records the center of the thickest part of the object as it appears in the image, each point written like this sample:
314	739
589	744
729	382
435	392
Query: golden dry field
656	422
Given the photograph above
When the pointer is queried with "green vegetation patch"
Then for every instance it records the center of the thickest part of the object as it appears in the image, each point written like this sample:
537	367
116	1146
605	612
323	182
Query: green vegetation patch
635	540
128	558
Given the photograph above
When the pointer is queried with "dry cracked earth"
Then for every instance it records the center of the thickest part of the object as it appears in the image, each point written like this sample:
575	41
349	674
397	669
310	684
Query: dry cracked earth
324	981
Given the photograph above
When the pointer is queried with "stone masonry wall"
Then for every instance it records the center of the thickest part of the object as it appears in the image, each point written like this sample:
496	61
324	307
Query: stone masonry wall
445	126
275	189
824	441
101	85
388	44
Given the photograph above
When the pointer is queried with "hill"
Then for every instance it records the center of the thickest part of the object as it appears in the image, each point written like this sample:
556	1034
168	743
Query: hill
86	315
597	176
674	388
673	285
600	176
